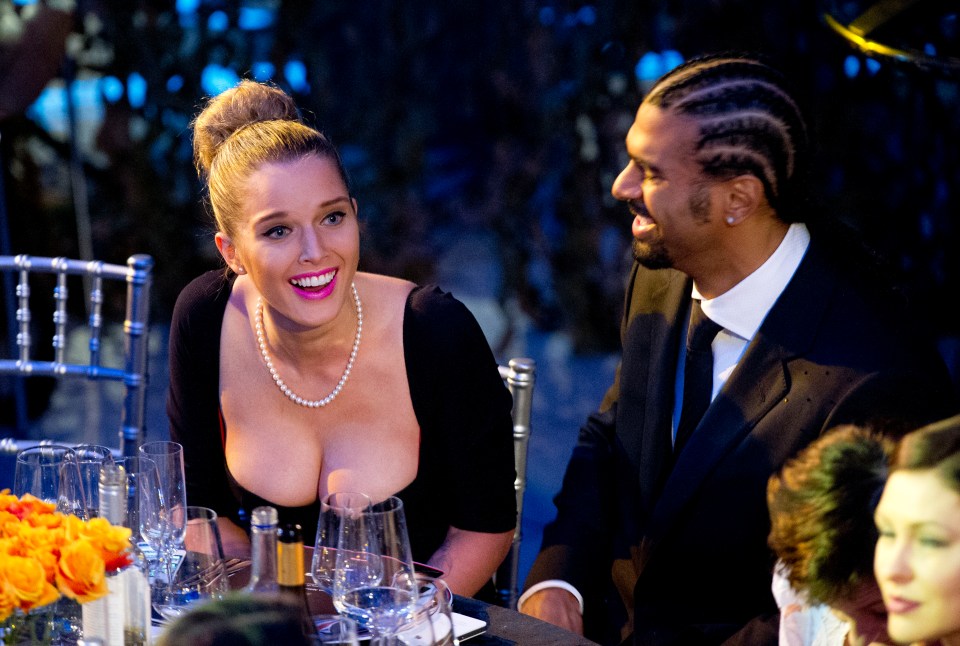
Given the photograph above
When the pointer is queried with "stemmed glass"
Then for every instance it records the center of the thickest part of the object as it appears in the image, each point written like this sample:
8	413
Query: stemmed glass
143	493
164	527
333	508
375	583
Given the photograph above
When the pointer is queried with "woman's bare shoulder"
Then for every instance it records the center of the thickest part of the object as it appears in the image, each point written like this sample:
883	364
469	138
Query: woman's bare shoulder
383	288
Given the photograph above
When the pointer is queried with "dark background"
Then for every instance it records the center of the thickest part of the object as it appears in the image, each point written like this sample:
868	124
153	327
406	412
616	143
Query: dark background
503	120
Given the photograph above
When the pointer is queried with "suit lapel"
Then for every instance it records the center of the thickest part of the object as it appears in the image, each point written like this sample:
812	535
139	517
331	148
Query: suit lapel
646	411
731	416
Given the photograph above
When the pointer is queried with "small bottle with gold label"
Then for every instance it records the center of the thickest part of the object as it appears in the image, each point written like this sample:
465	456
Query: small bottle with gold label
290	571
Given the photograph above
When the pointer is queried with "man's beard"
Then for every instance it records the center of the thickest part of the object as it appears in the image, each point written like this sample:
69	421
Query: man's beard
652	255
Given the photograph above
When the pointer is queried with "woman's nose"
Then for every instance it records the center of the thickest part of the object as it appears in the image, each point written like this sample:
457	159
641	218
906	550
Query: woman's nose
311	246
894	564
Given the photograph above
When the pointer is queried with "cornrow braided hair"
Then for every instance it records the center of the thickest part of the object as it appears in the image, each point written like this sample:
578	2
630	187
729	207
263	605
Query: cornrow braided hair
749	121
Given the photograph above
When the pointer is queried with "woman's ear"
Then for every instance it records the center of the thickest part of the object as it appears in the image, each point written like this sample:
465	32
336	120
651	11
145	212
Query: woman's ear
743	197
229	252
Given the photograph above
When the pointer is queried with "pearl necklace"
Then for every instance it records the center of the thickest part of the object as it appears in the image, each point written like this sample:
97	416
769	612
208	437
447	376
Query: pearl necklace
310	403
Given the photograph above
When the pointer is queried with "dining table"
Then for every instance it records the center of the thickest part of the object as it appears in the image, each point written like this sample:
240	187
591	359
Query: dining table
503	625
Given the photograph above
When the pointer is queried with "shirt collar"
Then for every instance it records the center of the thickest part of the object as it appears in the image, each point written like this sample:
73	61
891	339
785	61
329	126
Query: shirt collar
741	309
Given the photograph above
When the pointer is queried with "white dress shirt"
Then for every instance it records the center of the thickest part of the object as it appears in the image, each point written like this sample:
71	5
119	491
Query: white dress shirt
742	308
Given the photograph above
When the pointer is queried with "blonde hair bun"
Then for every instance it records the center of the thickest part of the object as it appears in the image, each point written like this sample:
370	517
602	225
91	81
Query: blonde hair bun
242	105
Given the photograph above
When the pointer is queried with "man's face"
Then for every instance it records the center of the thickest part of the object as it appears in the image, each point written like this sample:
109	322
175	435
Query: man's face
866	614
671	201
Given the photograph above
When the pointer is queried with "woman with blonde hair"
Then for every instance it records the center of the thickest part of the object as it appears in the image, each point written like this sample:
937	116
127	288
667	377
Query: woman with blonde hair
294	375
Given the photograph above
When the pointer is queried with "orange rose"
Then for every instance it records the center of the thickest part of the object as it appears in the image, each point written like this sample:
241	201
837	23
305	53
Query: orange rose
31	505
9	524
39	543
73	528
7	498
48	521
9	546
25	580
112	541
8	600
80	572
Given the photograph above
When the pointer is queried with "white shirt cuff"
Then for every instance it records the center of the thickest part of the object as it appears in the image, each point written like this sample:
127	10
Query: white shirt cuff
551	583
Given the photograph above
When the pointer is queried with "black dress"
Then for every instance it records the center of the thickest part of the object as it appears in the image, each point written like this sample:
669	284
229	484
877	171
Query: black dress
465	476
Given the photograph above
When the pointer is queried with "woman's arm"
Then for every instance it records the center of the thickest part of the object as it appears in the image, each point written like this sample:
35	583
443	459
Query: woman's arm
235	541
469	559
193	407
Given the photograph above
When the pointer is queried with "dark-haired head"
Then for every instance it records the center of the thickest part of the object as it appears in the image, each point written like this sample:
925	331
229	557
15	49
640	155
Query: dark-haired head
749	122
936	447
821	512
244	127
238	620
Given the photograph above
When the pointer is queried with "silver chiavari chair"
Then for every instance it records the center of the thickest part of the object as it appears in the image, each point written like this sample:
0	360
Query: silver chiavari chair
519	375
20	363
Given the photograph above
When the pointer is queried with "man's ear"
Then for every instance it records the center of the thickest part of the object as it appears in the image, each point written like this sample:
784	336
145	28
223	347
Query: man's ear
743	195
229	252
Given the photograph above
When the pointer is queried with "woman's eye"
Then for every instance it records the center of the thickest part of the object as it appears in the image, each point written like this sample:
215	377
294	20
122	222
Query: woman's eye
275	232
931	541
335	218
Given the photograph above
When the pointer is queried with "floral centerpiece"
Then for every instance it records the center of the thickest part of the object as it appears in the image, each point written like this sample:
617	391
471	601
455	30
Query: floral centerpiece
46	555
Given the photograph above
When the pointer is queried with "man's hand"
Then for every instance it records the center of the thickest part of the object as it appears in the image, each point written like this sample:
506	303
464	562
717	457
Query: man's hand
555	606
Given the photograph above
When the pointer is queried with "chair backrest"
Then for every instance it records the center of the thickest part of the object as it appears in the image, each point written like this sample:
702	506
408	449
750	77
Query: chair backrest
137	274
519	375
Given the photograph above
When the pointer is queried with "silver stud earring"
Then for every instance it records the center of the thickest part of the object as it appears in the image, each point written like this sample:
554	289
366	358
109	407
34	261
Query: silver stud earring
730	219
241	270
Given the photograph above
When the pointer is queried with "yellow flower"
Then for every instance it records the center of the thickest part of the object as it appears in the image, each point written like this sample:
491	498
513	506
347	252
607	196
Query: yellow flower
8	600
44	554
30	505
80	572
112	542
25	579
37	543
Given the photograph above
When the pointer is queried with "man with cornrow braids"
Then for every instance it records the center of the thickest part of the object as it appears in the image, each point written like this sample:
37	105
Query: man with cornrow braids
660	536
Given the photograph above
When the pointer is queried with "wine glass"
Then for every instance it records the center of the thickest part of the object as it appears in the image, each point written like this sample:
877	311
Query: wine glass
143	493
51	473
333	507
374	582
200	574
164	528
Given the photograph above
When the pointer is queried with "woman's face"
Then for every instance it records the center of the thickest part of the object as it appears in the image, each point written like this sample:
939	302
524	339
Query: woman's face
917	562
298	239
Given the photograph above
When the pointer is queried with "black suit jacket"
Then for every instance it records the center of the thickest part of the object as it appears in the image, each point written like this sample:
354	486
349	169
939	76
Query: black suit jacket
679	542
